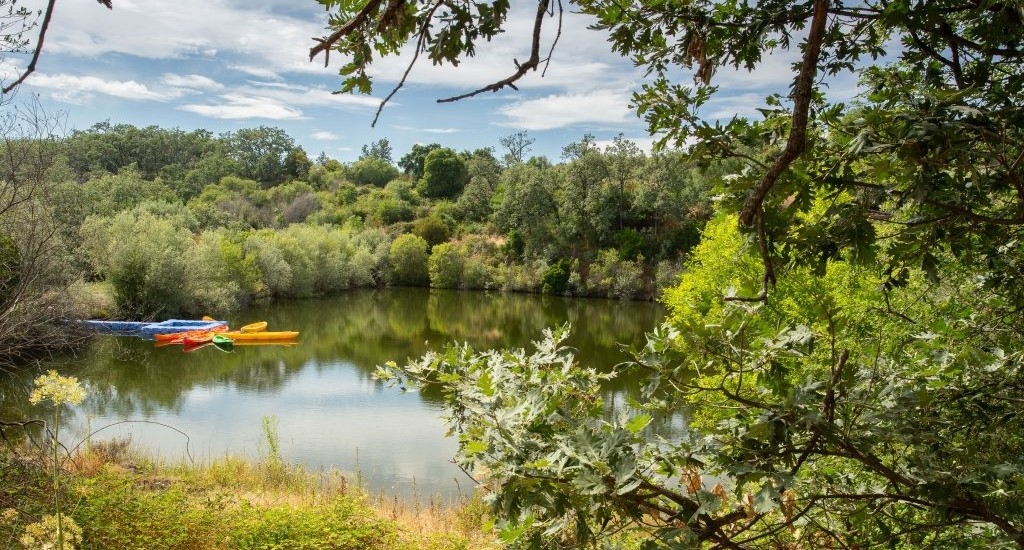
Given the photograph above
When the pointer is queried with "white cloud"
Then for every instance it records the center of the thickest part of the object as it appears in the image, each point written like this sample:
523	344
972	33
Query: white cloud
170	29
560	111
72	89
236	106
428	130
191	82
645	143
259	72
324	135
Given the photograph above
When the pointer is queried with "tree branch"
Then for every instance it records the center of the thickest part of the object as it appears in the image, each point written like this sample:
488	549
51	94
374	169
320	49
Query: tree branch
797	141
326	43
521	68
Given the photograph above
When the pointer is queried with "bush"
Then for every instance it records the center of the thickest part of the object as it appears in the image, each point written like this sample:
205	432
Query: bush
614	278
372	171
556	279
630	243
444	174
432	229
446	265
393	210
144	259
408	257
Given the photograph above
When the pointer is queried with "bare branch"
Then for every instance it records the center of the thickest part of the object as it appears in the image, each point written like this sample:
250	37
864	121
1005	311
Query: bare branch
521	68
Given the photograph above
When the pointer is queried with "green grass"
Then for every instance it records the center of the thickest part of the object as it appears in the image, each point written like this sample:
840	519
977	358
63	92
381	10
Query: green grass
122	499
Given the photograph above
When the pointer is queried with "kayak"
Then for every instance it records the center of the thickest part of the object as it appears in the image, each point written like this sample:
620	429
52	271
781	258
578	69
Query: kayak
255	327
173	336
243	336
222	340
284	343
197	339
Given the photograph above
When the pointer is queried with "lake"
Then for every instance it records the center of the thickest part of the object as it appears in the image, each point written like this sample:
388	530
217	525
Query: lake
331	413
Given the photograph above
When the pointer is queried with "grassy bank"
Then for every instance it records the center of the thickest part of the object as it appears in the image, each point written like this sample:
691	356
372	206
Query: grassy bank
121	498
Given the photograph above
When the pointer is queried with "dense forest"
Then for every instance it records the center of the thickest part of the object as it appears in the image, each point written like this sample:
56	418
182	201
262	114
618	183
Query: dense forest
187	222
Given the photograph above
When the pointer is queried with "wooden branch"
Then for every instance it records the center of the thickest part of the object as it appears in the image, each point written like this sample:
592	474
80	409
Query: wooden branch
797	141
39	49
326	43
521	68
419	48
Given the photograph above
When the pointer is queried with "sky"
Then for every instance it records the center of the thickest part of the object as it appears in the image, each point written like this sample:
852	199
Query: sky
222	65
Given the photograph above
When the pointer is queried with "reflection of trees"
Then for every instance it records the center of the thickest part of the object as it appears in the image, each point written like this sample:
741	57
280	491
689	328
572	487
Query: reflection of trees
130	377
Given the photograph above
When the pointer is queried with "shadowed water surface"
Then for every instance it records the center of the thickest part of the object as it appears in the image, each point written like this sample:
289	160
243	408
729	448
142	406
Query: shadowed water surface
330	411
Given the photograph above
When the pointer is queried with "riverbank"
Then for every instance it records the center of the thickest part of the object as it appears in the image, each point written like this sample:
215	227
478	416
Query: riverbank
121	498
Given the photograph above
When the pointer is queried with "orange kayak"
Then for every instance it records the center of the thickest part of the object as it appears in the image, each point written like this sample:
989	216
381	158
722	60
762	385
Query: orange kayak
182	335
198	338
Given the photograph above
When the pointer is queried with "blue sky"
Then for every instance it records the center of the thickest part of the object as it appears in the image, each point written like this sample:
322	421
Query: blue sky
229	64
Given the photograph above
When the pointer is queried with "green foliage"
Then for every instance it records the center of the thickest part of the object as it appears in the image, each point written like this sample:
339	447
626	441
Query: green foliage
612	277
380	149
432	229
151	150
413	161
556	279
630	243
261	152
297	163
445	266
145	259
408	259
372	171
444	174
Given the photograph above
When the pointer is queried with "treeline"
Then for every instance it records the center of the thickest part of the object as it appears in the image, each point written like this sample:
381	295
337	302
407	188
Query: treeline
188	222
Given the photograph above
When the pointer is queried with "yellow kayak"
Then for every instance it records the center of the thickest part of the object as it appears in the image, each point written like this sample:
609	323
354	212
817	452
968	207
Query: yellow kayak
243	336
255	327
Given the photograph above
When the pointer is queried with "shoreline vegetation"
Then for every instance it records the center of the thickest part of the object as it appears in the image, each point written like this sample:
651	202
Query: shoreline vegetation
116	496
147	223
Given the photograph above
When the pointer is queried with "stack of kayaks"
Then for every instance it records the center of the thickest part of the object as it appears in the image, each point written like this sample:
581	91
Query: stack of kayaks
219	336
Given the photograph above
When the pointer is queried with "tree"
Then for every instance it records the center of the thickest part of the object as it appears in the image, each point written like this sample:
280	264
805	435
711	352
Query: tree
517	146
413	161
849	318
297	163
380	149
260	152
372	171
444	174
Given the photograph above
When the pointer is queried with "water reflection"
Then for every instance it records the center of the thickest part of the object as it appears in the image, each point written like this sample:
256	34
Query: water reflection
330	410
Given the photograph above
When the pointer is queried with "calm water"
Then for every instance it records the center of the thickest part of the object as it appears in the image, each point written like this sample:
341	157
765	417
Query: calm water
331	412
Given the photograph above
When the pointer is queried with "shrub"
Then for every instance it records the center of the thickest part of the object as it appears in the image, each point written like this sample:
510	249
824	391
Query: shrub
408	257
614	278
444	174
556	279
393	210
432	229
144	259
446	265
629	242
372	171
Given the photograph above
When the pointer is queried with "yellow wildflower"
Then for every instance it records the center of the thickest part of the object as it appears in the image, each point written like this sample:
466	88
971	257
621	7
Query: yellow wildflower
57	389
